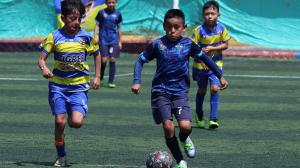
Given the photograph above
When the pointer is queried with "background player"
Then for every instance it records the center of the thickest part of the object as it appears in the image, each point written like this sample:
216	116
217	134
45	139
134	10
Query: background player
213	37
69	81
109	33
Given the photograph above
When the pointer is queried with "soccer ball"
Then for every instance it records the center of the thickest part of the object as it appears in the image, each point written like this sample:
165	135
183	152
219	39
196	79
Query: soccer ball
160	159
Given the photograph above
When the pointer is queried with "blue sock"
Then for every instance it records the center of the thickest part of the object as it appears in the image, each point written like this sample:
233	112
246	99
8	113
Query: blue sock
112	71
214	104
60	148
199	105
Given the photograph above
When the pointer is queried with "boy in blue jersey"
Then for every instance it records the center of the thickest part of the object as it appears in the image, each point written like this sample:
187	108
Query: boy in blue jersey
69	81
213	37
108	31
169	93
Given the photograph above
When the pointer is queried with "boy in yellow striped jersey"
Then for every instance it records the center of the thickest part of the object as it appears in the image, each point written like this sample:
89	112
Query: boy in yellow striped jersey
69	81
213	37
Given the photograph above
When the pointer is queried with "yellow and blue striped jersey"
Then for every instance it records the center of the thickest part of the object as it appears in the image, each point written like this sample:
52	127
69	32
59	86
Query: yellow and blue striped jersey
71	70
206	37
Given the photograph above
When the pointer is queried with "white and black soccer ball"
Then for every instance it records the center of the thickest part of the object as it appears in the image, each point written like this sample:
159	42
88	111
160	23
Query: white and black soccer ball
160	159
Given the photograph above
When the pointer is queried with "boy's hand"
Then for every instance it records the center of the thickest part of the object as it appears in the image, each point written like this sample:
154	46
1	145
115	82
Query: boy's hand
46	72
135	88
224	83
96	83
207	49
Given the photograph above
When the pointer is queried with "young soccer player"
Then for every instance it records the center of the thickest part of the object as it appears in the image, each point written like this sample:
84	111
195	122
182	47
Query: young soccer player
69	81
169	94
213	37
108	31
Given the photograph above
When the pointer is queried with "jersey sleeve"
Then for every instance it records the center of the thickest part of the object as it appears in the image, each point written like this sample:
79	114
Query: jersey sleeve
196	35
99	17
47	45
148	54
195	50
92	47
120	19
225	35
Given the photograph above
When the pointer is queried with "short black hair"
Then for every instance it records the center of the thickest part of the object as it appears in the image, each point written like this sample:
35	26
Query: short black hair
68	6
209	4
173	13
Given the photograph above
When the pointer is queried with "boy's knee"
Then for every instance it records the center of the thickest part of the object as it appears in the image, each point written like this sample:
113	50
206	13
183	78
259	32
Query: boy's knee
60	121
201	91
75	124
112	59
214	89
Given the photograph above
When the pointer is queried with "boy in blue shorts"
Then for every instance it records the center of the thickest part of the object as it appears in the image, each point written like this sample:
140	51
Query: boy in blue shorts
108	31
213	37
69	81
169	93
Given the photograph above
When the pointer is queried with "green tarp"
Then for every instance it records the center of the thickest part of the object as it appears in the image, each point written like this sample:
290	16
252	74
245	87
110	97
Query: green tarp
269	23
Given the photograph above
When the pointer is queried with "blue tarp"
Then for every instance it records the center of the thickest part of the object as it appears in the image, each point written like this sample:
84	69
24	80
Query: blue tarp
269	23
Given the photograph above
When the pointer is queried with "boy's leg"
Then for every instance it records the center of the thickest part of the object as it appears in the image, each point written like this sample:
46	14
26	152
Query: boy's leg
79	108
57	102
103	66
161	111
112	72
202	85
214	101
60	123
104	57
114	53
171	140
183	114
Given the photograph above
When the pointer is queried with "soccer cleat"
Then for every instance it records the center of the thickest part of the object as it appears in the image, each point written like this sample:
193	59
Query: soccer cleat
200	123
213	124
111	85
189	147
182	164
60	162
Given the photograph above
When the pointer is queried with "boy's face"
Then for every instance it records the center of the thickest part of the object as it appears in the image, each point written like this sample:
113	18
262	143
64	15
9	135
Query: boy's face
174	27
72	22
111	4
211	16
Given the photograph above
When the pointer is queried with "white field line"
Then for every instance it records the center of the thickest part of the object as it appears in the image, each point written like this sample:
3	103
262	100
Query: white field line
7	163
130	74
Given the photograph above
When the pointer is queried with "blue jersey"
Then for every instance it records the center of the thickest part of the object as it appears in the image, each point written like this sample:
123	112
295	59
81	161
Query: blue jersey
206	37
71	70
109	23
172	71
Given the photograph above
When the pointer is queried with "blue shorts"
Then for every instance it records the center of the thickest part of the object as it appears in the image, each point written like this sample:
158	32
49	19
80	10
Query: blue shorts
164	106
202	80
67	102
112	50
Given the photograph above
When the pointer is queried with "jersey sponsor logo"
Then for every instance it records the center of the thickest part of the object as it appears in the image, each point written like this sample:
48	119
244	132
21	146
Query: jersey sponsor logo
73	58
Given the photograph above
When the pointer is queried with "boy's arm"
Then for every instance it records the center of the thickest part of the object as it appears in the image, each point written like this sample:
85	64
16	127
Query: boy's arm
96	80
42	65
96	32
222	46
120	37
138	67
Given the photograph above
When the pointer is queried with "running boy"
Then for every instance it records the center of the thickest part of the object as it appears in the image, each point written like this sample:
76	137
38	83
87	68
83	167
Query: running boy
69	81
169	94
213	37
108	31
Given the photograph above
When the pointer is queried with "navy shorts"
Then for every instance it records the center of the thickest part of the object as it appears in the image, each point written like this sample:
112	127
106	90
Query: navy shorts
164	106
112	50
67	102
